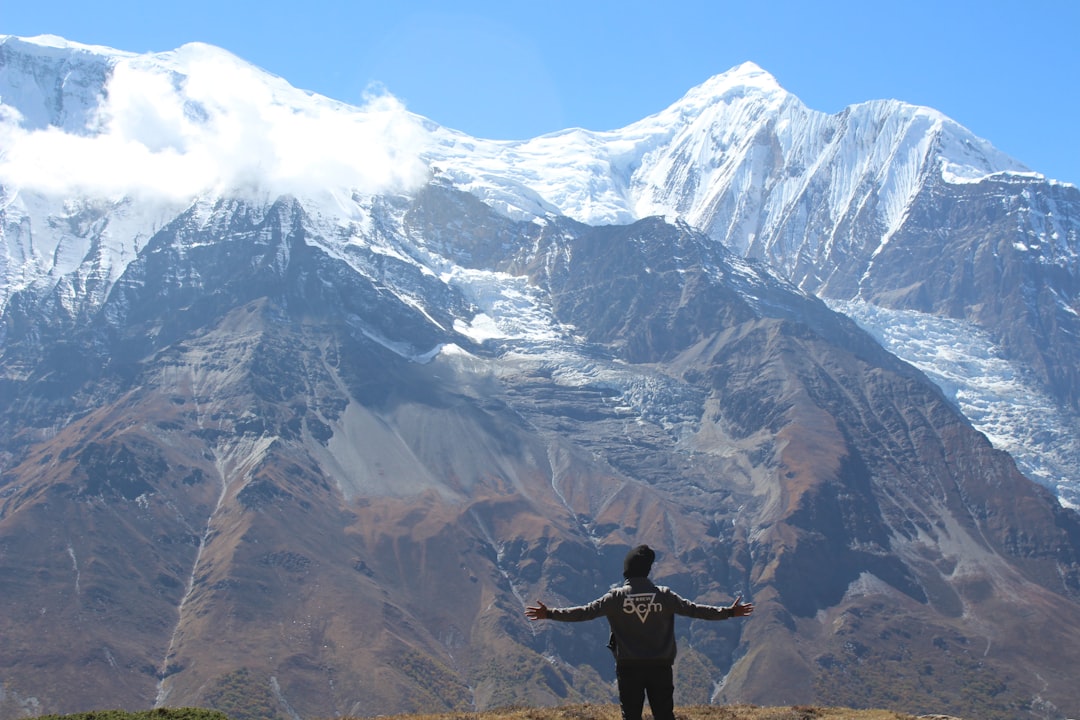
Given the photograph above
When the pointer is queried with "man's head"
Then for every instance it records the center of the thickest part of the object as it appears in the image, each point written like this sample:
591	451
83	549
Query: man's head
638	562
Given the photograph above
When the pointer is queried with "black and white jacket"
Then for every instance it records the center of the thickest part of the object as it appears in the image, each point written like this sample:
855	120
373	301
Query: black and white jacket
642	620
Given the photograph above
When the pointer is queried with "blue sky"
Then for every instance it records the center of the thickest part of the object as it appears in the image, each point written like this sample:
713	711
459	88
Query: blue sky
1008	71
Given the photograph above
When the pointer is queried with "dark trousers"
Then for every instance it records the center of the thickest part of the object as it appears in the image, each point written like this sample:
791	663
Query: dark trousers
637	681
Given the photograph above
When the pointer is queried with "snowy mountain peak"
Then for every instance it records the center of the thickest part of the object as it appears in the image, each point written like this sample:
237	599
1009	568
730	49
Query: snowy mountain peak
746	78
54	45
204	120
182	123
48	82
80	121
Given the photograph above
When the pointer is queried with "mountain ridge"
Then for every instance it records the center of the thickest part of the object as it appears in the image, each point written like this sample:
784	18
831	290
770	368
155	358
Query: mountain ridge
511	503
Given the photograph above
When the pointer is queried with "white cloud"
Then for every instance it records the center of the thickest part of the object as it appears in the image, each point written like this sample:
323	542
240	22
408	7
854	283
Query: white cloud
214	123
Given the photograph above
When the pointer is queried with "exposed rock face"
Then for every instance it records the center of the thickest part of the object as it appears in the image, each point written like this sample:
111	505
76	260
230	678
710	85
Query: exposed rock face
996	252
280	480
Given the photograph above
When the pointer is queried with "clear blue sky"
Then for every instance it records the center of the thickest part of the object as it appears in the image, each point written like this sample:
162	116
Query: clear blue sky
1009	71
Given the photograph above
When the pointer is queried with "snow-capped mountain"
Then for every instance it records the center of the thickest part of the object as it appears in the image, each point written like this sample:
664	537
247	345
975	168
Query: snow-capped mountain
819	197
838	204
302	401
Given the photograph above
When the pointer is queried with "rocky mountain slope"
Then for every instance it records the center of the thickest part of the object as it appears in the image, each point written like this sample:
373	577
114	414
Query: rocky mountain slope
315	450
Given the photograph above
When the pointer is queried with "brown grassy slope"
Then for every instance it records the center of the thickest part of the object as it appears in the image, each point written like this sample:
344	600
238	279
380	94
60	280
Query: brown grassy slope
692	712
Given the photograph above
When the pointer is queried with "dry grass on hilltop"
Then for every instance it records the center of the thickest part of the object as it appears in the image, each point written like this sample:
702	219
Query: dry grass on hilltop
695	712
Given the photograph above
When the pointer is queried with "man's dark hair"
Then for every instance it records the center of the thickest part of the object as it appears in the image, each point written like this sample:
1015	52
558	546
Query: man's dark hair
638	562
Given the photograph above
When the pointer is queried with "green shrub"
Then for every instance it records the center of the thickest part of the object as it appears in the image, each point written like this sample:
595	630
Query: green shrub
243	695
155	714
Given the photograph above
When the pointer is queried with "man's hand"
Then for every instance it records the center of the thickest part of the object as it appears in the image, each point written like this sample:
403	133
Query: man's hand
740	609
537	612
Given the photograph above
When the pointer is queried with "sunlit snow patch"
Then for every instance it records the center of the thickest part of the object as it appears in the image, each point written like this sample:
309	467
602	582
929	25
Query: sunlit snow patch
509	308
480	328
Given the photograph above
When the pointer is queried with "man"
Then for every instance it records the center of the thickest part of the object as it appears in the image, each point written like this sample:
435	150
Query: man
642	620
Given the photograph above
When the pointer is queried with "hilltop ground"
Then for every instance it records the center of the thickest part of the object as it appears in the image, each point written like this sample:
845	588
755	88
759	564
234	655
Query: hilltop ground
565	712
693	712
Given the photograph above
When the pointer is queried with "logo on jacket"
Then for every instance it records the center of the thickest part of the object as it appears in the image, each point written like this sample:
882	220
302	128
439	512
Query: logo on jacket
641	604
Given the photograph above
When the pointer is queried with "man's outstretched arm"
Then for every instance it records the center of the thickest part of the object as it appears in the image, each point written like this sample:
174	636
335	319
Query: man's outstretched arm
686	607
741	609
595	609
539	611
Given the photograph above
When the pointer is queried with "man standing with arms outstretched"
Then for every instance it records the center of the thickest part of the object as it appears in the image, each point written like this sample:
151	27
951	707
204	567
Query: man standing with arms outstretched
642	620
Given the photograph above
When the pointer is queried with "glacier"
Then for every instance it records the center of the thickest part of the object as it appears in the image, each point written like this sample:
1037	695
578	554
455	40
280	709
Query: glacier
996	396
